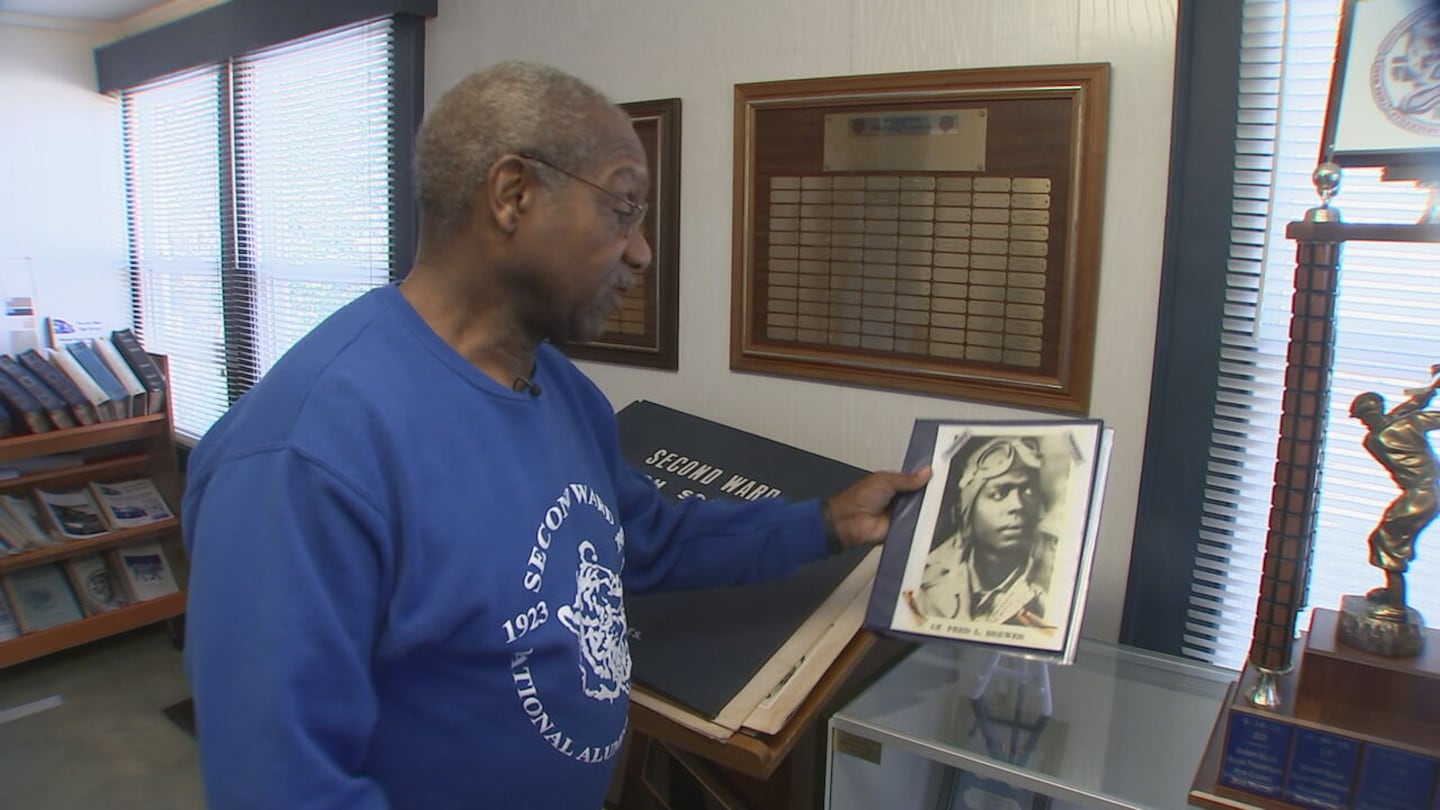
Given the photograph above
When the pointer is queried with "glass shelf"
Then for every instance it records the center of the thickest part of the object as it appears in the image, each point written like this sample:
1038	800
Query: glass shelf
1128	729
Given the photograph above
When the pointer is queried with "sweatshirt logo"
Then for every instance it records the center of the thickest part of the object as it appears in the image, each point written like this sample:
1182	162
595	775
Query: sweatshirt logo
594	616
597	618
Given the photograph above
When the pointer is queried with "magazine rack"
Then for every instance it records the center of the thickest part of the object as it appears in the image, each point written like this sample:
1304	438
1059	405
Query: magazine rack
751	770
126	448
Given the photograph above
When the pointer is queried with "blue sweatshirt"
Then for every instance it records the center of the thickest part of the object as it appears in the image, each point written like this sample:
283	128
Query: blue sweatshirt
407	580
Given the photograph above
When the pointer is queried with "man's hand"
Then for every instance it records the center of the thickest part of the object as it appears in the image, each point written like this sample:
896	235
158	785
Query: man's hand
860	513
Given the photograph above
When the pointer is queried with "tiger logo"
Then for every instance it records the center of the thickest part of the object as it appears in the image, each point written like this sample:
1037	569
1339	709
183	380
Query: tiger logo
597	618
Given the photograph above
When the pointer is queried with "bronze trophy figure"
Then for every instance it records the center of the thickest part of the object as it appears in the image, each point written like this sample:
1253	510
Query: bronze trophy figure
1398	439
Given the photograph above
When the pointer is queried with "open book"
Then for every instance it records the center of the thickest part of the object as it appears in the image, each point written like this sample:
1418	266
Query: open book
722	659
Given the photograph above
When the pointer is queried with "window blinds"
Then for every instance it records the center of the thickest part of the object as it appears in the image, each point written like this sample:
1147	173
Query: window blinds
312	156
1387	338
173	184
277	203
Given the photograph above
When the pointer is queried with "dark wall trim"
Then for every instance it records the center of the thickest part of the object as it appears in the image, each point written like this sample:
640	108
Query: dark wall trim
231	29
409	111
1192	299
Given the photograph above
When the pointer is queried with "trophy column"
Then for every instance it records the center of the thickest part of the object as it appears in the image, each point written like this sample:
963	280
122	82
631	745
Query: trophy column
1328	722
1295	496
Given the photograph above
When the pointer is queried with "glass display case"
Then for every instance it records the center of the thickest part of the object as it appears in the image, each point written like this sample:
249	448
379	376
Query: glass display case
960	728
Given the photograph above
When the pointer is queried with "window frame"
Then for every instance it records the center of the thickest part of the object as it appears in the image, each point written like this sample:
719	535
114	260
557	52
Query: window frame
235	29
1190	315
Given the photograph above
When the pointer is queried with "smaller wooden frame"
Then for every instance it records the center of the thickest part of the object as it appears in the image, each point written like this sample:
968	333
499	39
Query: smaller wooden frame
936	232
644	329
1382	109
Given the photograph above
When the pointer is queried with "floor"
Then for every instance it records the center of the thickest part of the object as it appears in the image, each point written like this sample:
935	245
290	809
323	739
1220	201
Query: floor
89	728
108	744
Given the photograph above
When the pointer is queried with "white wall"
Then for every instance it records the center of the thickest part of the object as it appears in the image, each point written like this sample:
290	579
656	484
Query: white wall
61	189
644	49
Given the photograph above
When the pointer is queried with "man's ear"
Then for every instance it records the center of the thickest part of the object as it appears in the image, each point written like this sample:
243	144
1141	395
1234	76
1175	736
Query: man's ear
509	191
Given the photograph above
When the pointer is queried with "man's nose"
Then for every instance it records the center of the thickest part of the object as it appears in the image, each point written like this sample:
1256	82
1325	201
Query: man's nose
637	250
1014	501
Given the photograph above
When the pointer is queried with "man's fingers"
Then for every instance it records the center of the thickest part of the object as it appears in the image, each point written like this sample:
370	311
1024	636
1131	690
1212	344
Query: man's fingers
918	479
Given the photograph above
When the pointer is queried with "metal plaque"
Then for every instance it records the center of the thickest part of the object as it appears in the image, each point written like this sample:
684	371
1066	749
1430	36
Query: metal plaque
906	140
931	232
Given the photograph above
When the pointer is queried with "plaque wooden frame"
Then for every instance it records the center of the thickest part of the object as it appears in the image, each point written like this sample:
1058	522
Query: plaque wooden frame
1044	122
656	294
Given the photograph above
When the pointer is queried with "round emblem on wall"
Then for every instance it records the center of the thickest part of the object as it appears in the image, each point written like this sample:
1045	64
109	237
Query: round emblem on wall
1405	74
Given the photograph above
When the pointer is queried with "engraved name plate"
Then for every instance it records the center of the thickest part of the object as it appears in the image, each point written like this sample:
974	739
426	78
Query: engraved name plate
1394	780
906	140
1256	751
1322	770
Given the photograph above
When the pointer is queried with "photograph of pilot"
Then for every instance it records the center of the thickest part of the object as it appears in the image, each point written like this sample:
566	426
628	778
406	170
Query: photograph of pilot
992	559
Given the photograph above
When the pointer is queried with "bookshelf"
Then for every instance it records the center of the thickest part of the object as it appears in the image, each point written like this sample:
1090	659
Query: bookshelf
135	447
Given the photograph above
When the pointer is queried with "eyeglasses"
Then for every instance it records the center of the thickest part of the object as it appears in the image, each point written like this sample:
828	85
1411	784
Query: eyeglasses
633	213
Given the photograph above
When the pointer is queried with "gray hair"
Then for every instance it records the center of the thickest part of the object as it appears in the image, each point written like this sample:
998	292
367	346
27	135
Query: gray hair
508	108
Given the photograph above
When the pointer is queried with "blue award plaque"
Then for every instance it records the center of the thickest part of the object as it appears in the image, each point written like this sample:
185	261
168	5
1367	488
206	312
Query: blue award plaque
1394	780
1256	751
1322	770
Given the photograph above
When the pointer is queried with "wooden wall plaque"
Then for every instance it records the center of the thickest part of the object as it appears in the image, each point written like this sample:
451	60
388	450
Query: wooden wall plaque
935	232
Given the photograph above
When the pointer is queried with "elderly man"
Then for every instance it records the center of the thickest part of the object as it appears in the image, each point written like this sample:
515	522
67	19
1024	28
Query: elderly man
996	567
411	540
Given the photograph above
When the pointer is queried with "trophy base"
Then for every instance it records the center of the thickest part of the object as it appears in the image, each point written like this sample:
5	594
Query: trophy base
1353	729
1381	629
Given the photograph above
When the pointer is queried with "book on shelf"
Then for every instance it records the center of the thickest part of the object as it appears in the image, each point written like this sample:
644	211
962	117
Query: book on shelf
55	408
110	356
21	515
710	658
143	365
73	513
13	539
105	410
80	406
88	357
25	410
137	502
95	583
11	544
41	597
9	628
144	570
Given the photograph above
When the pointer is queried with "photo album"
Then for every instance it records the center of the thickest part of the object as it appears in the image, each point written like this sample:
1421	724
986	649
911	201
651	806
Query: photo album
996	549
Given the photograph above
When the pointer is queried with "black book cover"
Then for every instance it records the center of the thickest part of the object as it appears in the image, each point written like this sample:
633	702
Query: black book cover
23	405
904	515
80	406
143	365
699	648
55	407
